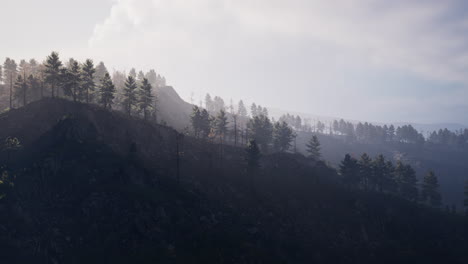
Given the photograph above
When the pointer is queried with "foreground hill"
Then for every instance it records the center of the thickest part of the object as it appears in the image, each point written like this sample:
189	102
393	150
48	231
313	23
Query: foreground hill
93	186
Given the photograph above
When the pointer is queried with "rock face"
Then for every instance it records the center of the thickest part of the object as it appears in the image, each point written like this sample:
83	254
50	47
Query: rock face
93	186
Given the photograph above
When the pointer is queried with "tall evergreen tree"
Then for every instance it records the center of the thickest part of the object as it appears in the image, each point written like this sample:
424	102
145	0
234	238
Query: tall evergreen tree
89	85
205	124
107	91
100	73
221	125
282	136
406	180
365	170
313	148
21	88
379	173
71	80
241	110
145	97
349	170
52	72
195	119
10	69
130	95
429	191
260	129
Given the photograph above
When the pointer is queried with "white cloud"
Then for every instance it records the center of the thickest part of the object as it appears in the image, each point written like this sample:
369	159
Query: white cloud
183	36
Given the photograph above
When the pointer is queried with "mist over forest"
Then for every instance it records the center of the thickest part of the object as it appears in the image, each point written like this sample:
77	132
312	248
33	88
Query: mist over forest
120	140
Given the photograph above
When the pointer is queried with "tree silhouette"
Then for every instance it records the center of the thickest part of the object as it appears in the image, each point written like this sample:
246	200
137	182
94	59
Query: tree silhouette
130	95
89	85
349	170
221	124
145	97
282	136
106	91
313	148
405	177
429	191
52	71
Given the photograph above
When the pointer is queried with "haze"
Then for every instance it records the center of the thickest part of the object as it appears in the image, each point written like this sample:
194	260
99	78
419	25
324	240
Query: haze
364	60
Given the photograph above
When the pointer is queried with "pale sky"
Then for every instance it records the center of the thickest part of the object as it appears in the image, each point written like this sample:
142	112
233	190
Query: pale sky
376	60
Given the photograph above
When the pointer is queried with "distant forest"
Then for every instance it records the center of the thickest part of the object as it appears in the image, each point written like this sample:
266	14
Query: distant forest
136	94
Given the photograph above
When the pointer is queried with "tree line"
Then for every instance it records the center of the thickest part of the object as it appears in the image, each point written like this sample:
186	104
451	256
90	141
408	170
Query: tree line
134	93
383	176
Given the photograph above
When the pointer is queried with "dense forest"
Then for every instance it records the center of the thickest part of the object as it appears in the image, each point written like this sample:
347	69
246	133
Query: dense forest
228	182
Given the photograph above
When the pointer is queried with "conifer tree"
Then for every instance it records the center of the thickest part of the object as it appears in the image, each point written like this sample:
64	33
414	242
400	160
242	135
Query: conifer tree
349	170
205	124
99	74
89	85
405	177
221	124
195	119
379	172
429	191
241	110
71	80
129	96
10	72
52	72
260	129
282	136
365	170
21	87
145	97
106	91
313	148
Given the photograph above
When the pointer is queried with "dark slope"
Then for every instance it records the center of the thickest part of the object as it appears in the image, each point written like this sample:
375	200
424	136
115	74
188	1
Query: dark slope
94	186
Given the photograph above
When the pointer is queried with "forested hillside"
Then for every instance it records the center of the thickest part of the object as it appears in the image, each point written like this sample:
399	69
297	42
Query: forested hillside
82	184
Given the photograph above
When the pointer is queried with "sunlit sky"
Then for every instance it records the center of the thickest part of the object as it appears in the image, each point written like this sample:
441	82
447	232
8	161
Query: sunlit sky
387	61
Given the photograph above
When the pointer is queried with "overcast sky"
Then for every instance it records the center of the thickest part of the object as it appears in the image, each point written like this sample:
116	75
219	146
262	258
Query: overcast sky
386	61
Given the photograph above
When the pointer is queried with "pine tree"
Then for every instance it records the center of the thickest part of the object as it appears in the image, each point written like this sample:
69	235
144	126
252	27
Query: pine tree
34	87
241	110
205	124
221	124
107	91
260	129
379	172
21	88
52	71
195	119
282	136
365	170
253	110
100	73
313	148
349	170
71	80
406	180
429	191
130	97
89	85
145	97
